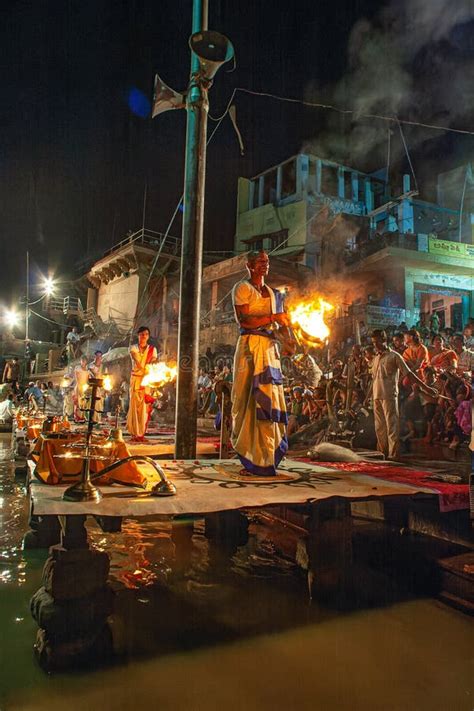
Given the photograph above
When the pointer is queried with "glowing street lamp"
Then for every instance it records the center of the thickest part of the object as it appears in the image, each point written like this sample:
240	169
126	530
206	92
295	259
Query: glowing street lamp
48	286
12	318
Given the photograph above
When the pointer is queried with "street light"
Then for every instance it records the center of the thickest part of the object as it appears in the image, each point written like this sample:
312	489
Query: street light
12	318
48	286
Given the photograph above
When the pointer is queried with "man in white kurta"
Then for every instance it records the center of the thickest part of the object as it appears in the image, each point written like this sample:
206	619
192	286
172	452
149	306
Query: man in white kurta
142	355
386	368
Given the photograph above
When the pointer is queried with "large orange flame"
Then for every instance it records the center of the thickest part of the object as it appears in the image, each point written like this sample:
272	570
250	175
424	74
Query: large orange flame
307	319
159	374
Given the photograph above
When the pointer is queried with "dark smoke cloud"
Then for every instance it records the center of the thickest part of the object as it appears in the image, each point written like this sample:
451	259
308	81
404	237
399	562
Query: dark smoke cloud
414	60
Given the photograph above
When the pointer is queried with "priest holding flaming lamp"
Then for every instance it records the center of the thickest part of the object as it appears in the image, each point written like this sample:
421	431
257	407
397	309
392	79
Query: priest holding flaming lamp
259	414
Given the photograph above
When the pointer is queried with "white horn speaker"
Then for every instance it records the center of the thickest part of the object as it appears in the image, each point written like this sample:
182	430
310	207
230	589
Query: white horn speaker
212	50
165	98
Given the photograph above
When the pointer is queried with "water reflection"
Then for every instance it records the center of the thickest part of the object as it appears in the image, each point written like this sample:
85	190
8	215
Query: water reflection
180	589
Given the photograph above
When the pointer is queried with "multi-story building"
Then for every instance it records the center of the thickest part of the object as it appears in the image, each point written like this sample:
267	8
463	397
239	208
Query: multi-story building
399	257
384	255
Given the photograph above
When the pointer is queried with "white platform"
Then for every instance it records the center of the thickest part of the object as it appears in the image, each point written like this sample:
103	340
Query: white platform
215	485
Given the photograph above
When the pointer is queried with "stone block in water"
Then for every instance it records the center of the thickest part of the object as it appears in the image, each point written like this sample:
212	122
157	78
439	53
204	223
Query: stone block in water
71	574
65	620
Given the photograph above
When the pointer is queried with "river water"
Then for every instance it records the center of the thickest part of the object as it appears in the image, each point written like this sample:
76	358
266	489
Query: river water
201	626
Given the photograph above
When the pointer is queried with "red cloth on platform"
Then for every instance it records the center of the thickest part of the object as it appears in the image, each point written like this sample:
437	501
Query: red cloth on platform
452	497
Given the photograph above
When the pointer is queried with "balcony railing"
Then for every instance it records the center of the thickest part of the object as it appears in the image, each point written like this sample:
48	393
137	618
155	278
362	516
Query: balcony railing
66	305
376	244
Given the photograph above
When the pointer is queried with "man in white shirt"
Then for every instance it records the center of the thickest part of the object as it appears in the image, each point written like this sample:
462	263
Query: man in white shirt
204	387
7	410
72	343
465	356
386	368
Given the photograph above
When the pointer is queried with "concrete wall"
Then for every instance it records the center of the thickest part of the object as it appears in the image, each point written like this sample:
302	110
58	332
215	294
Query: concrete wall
117	301
226	334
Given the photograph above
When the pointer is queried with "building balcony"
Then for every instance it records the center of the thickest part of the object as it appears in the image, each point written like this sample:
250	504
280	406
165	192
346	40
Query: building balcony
395	250
126	257
68	305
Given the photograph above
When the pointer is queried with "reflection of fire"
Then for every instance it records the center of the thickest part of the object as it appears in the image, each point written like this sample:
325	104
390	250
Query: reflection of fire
307	319
158	374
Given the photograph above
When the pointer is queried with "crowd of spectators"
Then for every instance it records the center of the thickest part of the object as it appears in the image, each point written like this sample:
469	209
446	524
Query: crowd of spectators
336	390
330	389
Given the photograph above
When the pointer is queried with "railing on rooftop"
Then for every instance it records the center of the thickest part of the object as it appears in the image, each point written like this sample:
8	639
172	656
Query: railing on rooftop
144	237
149	238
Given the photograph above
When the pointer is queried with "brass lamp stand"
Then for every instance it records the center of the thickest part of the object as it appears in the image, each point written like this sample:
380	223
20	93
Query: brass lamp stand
85	490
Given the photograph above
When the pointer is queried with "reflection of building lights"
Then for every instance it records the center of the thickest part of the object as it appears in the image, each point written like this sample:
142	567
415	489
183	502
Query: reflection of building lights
11	318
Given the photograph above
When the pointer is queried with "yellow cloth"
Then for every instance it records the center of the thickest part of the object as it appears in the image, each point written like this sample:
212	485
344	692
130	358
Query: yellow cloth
51	470
137	417
258	402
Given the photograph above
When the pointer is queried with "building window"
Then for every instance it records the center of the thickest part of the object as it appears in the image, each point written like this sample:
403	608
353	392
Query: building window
256	245
288	178
329	180
312	175
269	187
279	238
378	190
348	185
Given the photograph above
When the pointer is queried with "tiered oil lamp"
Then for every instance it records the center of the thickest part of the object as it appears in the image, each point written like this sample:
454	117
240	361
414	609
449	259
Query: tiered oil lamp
85	490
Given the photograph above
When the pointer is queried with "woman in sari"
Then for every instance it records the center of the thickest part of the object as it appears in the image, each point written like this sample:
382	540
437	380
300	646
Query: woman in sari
259	415
442	358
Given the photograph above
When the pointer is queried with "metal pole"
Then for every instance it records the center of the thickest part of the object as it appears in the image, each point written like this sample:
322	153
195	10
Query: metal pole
191	253
27	305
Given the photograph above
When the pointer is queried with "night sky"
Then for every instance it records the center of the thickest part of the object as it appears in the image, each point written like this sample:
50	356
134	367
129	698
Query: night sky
75	158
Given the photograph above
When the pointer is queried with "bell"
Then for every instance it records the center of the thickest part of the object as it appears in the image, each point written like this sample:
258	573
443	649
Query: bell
165	98
212	49
115	435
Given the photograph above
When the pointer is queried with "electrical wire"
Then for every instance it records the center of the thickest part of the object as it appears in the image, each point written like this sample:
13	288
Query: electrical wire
381	117
56	323
408	156
387	173
129	333
275	249
310	104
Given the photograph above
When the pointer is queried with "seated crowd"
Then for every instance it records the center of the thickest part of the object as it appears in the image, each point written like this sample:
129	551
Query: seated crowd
340	397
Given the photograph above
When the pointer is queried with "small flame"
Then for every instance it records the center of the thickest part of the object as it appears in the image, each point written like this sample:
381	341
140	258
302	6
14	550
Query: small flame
307	318
107	383
158	374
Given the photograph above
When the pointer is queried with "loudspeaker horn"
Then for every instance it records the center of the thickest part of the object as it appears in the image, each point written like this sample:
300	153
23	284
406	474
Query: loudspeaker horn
212	50
165	98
